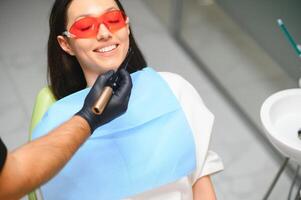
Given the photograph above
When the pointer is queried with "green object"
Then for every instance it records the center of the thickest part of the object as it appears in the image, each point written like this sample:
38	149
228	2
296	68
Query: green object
32	196
44	100
289	37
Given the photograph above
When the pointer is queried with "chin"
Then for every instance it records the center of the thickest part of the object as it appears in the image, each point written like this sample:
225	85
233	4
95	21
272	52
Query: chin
106	68
111	65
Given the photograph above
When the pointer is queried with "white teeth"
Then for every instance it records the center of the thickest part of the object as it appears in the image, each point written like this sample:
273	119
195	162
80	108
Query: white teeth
108	48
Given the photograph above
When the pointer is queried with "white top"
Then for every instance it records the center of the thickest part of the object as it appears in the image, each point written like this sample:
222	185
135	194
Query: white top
200	120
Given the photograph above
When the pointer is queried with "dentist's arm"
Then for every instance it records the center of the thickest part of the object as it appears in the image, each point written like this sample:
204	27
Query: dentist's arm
31	165
36	162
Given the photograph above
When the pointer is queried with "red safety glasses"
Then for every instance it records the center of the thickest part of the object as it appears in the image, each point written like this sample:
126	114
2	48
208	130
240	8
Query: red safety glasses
88	27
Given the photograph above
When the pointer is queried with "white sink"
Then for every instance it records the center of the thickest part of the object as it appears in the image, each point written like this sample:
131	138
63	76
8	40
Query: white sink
281	117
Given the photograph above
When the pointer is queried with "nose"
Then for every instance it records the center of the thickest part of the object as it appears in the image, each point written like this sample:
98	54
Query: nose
103	33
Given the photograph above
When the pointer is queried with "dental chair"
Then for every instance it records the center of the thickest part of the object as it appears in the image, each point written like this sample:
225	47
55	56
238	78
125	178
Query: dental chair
44	100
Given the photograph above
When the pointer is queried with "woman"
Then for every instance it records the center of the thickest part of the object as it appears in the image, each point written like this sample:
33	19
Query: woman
159	148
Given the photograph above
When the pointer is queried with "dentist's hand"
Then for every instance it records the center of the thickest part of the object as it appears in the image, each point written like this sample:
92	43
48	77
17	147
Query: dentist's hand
116	106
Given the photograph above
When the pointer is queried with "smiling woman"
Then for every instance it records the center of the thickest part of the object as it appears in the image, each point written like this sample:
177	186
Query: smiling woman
158	149
103	46
74	63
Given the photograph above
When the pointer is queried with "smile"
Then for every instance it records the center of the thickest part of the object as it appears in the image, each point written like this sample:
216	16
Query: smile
107	49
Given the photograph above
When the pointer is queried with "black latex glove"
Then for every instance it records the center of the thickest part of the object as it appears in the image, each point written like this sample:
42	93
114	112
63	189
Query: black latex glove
116	106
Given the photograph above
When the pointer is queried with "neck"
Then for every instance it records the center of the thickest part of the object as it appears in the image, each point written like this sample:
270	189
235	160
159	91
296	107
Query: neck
90	78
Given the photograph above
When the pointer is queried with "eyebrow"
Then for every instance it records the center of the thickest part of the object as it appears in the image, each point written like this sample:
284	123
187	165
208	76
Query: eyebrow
106	10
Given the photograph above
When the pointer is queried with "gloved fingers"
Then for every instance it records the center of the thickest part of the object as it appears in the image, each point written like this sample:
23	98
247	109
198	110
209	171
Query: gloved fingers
125	84
126	102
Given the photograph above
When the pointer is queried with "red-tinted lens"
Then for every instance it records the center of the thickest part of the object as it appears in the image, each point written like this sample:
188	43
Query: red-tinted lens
85	27
114	20
88	27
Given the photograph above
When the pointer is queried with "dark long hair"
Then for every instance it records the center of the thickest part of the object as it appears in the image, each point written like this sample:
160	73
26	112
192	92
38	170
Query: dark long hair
65	75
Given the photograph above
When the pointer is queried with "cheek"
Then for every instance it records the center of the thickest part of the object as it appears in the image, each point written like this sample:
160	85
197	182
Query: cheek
81	47
123	35
125	41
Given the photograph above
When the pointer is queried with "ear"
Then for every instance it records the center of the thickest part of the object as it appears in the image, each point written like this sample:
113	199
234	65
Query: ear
63	42
127	21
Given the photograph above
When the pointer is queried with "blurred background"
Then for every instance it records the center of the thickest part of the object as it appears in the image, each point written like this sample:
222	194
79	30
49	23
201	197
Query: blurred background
231	51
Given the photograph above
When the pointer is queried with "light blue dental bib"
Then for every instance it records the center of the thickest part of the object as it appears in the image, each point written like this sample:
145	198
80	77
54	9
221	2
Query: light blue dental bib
149	146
